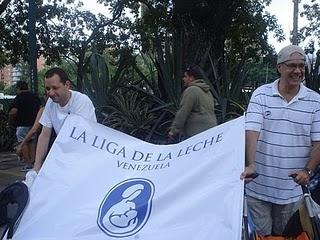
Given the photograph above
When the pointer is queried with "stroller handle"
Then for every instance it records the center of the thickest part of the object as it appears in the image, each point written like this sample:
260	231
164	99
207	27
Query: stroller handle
307	198
304	188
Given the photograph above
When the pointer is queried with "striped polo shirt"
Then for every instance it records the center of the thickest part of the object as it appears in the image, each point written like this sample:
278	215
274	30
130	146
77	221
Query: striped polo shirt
284	145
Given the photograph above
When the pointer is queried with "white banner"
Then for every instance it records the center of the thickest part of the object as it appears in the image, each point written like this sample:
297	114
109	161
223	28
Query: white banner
98	184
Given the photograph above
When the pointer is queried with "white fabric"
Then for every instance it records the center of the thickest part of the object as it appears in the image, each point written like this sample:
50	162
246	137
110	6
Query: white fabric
286	134
29	178
54	115
98	184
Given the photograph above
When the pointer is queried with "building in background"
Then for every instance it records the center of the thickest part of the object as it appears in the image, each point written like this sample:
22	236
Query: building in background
5	75
9	74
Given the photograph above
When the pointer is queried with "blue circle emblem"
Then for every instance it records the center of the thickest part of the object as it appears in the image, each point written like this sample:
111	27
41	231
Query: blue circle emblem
126	208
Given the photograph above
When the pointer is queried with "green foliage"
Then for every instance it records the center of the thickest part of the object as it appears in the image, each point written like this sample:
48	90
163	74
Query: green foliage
312	74
161	86
2	86
7	135
228	92
248	35
63	32
76	33
260	73
140	93
97	82
129	114
223	50
10	90
312	13
6	103
13	31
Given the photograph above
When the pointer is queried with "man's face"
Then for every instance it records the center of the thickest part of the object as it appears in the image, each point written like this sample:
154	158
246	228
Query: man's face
187	79
56	90
292	71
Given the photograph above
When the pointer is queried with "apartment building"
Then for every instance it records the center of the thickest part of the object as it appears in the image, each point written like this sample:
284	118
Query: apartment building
9	74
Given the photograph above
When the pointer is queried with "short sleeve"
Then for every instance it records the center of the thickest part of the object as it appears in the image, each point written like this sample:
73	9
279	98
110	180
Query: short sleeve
254	113
315	127
83	106
45	119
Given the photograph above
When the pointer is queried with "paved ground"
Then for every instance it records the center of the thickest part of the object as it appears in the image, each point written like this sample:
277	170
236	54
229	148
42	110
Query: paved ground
9	169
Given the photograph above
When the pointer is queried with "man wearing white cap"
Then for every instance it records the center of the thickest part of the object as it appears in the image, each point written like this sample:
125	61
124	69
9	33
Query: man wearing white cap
282	141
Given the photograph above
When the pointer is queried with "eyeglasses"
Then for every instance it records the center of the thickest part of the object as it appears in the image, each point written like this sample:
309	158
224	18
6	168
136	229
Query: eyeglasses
294	66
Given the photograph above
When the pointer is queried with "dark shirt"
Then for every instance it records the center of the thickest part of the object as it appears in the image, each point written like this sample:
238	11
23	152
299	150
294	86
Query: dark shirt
28	105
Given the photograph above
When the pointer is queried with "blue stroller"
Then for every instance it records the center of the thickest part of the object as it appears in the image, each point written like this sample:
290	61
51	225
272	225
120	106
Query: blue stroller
304	223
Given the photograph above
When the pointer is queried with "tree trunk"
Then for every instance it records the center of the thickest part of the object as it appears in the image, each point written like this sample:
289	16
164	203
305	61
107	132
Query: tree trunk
80	67
203	25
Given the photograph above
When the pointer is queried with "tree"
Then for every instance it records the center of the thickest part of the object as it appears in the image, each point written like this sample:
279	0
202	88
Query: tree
312	13
13	31
3	5
221	27
78	32
63	32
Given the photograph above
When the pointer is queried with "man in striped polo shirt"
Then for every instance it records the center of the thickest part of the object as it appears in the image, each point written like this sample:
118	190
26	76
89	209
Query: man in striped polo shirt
282	140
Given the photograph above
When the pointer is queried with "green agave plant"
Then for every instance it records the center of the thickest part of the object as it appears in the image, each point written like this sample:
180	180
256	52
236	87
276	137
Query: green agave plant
228	91
143	95
129	114
99	85
161	86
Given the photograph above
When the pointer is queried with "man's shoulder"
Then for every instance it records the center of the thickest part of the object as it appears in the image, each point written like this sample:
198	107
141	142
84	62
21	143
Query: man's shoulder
193	89
49	103
79	94
27	94
30	96
311	94
22	97
263	90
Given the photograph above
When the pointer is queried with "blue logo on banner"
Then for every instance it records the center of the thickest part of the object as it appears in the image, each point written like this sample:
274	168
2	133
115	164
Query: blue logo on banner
126	207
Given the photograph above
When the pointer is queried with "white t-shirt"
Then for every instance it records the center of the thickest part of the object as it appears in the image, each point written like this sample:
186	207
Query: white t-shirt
54	115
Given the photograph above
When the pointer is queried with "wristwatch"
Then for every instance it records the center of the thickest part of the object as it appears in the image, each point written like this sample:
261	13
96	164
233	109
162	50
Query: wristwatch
309	171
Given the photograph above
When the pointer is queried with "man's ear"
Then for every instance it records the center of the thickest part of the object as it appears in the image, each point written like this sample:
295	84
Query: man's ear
278	69
68	84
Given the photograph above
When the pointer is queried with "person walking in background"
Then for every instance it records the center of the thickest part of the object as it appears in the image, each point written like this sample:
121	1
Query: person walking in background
62	101
196	111
34	131
22	114
282	142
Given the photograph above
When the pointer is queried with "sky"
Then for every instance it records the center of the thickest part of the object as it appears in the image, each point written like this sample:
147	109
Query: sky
282	9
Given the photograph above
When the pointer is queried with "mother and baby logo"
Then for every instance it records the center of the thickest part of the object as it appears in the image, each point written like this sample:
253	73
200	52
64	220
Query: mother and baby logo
126	208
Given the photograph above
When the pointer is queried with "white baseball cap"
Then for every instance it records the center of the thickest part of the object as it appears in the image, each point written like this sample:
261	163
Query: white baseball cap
286	52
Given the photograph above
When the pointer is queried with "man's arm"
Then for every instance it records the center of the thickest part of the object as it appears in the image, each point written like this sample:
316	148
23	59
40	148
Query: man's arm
314	160
42	147
185	108
302	177
250	154
12	115
35	128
